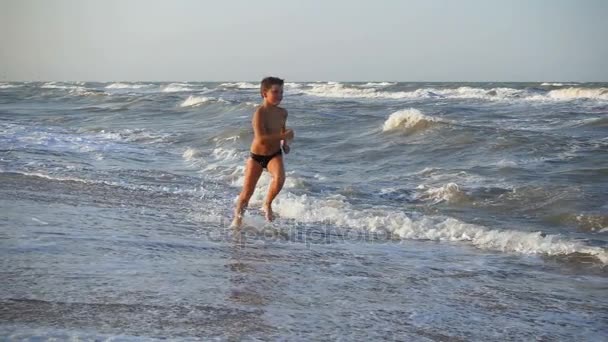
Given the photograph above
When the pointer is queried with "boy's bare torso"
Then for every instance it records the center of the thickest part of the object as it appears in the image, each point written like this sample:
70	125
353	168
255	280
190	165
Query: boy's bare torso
271	120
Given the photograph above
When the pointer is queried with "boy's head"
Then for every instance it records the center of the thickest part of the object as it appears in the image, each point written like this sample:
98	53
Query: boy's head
271	90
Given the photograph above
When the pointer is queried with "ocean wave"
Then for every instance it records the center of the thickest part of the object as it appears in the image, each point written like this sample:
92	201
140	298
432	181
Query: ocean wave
410	120
194	101
557	84
86	140
191	154
339	90
152	188
8	85
574	93
221	162
586	222
337	211
250	104
240	85
505	163
176	87
54	85
500	93
139	135
77	90
596	122
453	186
81	91
119	85
378	84
450	193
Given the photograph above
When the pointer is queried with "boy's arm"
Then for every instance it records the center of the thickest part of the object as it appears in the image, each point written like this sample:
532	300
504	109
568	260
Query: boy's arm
286	147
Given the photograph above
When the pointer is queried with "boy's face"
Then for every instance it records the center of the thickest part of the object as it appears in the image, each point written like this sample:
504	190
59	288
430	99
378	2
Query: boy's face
274	95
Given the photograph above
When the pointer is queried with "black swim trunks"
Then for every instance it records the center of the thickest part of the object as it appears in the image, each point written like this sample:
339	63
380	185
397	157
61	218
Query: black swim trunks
264	160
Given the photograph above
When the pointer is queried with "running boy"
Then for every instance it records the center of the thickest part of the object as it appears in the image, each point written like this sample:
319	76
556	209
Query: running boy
269	135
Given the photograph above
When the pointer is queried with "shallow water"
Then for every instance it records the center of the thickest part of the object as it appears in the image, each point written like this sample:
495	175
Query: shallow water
426	211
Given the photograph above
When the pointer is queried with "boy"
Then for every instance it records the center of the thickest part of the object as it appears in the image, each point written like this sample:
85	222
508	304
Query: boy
269	134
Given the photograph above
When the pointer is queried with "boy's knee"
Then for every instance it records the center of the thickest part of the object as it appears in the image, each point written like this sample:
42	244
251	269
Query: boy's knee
280	179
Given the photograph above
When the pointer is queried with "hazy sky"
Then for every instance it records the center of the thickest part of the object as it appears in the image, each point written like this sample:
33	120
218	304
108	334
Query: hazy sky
308	40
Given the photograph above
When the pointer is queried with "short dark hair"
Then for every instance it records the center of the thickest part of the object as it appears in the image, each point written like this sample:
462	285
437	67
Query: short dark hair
268	82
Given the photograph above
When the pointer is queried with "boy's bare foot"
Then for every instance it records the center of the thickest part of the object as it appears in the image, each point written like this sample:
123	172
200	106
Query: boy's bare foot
268	212
239	211
237	222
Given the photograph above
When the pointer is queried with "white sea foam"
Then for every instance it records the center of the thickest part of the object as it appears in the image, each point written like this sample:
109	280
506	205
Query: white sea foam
96	135
450	193
119	85
293	85
427	171
574	93
133	135
82	91
251	104
240	85
597	122
378	84
221	162
86	140
557	84
161	188
54	85
72	89
437	185
191	154
339	90
337	211
39	221
408	119
504	163
176	87
291	181
193	101
8	85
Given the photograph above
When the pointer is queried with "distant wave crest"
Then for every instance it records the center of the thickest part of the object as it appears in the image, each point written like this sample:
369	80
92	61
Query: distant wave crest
410	120
119	85
339	90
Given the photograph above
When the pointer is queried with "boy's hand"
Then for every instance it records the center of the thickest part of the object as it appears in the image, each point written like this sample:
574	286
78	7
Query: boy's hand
288	134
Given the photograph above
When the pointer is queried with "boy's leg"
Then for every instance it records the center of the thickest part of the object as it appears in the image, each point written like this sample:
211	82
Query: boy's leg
253	170
277	170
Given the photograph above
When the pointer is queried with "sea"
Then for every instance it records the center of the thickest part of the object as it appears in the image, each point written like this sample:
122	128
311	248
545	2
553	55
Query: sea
418	211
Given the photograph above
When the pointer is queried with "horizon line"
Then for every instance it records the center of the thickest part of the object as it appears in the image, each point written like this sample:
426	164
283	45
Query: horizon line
306	81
